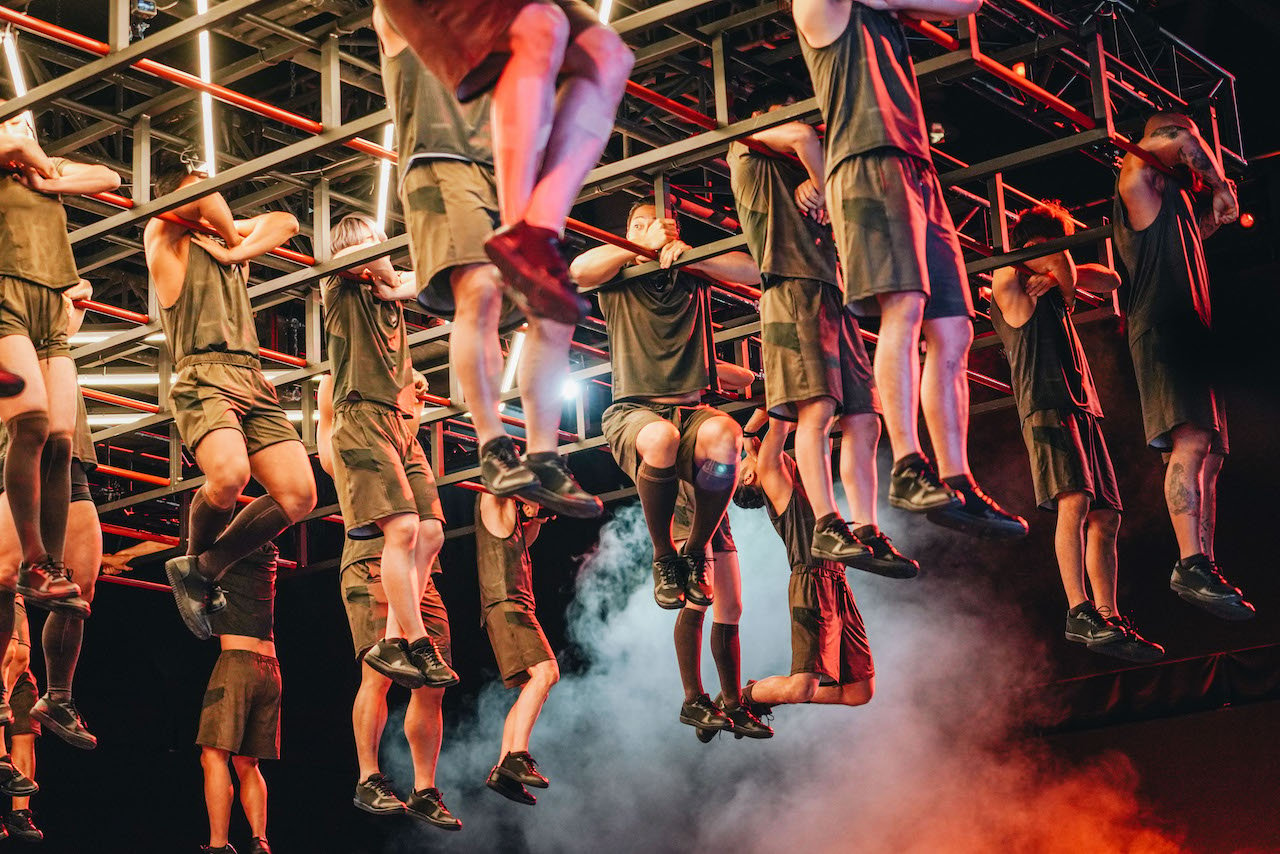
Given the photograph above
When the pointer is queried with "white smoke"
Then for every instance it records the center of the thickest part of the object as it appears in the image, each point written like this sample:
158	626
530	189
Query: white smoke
935	763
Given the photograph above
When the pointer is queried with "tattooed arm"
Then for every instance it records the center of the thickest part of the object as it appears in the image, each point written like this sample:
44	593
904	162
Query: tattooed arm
1177	144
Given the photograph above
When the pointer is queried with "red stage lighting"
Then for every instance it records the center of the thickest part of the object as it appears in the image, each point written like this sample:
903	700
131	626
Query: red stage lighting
1020	69
1247	220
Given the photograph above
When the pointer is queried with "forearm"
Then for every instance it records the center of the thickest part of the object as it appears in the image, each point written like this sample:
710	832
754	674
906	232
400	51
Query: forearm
1096	278
599	265
936	10
757	422
734	376
267	232
1195	153
214	210
26	152
738	268
80	179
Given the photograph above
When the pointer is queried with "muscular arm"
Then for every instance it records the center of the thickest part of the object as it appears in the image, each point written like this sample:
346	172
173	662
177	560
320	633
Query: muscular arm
1062	268
799	139
734	376
738	268
324	429
263	233
600	265
1096	278
1141	185
1011	297
773	474
77	179
24	151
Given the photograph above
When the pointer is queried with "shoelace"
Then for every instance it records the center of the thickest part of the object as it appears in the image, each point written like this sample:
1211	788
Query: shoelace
505	454
927	475
698	568
669	570
382	785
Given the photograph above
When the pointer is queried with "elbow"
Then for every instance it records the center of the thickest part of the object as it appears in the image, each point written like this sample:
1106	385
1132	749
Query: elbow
288	224
111	180
968	7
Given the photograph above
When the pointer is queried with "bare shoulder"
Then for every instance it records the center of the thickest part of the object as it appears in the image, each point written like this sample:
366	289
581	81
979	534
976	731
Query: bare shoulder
821	22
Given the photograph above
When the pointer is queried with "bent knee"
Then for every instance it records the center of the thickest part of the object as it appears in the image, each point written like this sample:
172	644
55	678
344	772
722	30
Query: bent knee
431	535
400	531
601	53
540	32
722	437
658	440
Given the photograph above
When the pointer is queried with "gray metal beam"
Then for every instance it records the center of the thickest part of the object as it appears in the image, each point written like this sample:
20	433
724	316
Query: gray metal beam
99	68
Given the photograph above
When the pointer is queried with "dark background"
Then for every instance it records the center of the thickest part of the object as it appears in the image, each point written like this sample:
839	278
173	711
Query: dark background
1214	773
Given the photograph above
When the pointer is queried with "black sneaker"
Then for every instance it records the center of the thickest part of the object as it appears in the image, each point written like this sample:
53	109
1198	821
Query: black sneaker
836	542
6	714
697	582
501	470
668	581
1198	581
259	846
390	657
375	795
760	710
557	490
980	516
21	825
743	722
225	849
11	385
533	267
704	714
13	782
217	599
1134	647
428	805
64	720
436	672
191	593
706	735
1085	625
512	790
916	487
45	583
522	768
883	559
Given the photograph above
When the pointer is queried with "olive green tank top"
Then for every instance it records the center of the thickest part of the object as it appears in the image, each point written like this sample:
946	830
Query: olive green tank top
368	347
212	315
430	123
503	566
33	237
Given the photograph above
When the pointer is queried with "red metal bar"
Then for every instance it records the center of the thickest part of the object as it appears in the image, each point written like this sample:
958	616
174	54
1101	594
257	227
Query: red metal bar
186	79
283	358
117	400
134	582
134	533
112	311
127	474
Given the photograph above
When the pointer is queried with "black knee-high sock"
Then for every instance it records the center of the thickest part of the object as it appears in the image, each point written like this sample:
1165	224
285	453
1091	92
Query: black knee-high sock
658	489
6	622
61	639
28	431
712	489
689	651
259	523
205	523
55	494
727	653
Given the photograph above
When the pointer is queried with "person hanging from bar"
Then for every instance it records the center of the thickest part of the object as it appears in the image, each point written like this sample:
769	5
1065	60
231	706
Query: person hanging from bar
226	411
815	365
830	656
898	247
365	600
1059	409
240	715
451	206
557	75
1160	224
659	431
505	528
385	486
64	628
36	266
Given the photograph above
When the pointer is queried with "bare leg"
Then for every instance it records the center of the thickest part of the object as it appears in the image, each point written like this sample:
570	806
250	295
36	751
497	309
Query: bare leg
1069	542
23	754
1209	502
368	717
860	436
543	369
473	345
897	369
1183	481
523	106
944	391
424	729
1100	559
813	453
399	574
518	727
63	633
55	475
27	417
253	793
597	65
218	794
853	694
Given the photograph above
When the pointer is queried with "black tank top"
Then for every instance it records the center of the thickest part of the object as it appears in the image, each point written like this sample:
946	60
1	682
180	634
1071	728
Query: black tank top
1168	280
1047	365
795	524
250	587
503	566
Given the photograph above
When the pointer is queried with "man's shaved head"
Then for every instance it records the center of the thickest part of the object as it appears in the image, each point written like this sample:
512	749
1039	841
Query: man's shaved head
1166	119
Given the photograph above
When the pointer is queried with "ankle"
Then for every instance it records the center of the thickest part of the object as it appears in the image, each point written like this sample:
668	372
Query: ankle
963	482
915	459
827	522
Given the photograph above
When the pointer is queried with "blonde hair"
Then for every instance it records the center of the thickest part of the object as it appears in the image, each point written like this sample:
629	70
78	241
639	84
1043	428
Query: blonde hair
352	230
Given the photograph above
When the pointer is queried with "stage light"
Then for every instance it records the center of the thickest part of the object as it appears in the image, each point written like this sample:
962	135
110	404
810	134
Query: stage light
15	72
206	100
1020	69
606	6
384	177
1247	220
937	133
513	361
570	389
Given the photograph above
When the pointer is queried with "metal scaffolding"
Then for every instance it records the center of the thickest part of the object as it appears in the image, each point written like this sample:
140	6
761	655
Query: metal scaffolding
299	96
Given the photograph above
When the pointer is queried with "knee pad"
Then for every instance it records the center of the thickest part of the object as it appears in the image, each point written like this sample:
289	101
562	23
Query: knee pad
715	476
